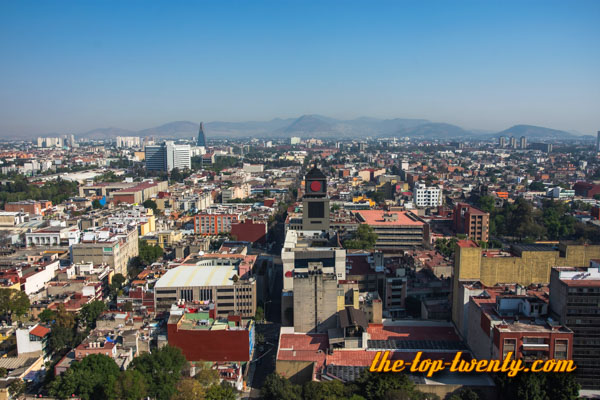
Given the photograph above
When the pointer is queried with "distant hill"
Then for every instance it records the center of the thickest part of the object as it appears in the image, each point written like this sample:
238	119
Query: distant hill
434	130
532	132
313	125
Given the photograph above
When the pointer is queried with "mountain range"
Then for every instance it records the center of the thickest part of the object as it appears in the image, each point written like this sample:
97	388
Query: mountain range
321	126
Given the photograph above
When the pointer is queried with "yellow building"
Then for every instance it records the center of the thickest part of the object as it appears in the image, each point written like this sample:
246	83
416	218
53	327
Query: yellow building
524	264
164	238
363	199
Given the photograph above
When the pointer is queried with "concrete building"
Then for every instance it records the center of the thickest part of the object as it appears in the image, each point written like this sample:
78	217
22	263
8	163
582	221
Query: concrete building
505	319
213	224
235	192
574	293
523	264
315	298
113	247
523	142
50	142
37	207
32	339
222	279
127	142
395	229
471	221
167	156
203	336
53	236
427	196
513	142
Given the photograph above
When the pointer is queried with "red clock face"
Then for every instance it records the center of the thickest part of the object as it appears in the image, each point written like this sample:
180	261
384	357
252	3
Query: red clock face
315	186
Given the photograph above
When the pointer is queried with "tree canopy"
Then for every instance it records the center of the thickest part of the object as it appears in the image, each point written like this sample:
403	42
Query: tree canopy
13	303
364	238
161	370
92	378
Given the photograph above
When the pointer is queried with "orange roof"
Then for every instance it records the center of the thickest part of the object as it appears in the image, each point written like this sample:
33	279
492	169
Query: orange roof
375	217
39	331
467	243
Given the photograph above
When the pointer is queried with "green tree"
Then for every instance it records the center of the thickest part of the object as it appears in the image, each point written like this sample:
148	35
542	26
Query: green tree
116	285
260	314
364	238
161	370
329	390
3	372
90	312
207	376
379	386
464	394
537	186
16	388
486	203
60	338
92	378
147	253
277	387
223	391
130	386
96	204
561	386
47	315
64	318
189	388
150	204
13	303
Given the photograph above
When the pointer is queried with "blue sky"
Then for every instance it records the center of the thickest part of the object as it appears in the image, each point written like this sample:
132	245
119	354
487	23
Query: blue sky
72	66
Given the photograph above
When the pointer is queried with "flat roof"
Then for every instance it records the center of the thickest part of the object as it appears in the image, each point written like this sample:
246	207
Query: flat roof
375	217
196	275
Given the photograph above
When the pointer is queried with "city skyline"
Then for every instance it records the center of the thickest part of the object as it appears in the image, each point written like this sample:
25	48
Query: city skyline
73	67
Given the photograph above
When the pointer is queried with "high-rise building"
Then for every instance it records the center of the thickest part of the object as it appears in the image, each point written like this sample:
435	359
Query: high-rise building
471	221
166	156
315	203
598	142
513	142
127	141
523	142
574	295
201	137
502	141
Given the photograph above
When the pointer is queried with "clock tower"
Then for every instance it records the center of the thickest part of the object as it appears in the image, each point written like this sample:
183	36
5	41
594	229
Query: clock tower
315	203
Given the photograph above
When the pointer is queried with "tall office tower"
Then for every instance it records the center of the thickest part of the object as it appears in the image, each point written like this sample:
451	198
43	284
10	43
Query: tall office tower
502	141
168	155
523	142
315	203
513	142
201	137
598	142
315	299
156	157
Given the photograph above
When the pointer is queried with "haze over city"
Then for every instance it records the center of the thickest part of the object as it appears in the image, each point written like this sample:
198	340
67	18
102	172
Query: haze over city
71	67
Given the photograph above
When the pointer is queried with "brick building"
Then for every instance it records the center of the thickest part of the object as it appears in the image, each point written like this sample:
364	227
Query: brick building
471	221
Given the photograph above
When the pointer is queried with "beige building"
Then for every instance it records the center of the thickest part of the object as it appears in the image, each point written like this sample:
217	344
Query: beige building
108	247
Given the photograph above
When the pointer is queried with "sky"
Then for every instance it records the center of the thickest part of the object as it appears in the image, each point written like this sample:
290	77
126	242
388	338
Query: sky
73	66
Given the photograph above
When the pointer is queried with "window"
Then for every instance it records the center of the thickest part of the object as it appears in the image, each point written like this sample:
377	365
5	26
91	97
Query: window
561	349
509	346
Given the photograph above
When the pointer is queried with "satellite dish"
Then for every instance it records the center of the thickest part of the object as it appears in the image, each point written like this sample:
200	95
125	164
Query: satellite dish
200	253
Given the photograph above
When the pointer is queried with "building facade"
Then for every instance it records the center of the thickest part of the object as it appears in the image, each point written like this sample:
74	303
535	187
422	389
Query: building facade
427	196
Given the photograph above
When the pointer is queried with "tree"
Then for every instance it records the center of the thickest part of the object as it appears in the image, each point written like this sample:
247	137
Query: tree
47	315
60	338
92	378
260	314
188	388
96	204
224	391
90	312
486	203
161	370
277	387
334	390
147	253
207	376
3	372
464	394
537	186
16	388
364	238
116	285
150	204
13	303
64	318
130	386
561	386
383	386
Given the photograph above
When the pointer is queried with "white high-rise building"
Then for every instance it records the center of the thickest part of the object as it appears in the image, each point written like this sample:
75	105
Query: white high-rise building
127	141
166	156
427	196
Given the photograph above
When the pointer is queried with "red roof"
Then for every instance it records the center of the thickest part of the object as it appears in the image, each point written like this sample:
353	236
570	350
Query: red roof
375	217
467	243
39	331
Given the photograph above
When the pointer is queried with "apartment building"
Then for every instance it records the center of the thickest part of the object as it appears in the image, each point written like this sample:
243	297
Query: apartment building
427	196
395	229
471	221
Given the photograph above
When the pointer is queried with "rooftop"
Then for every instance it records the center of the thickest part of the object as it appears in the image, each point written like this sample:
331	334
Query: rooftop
378	217
195	275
